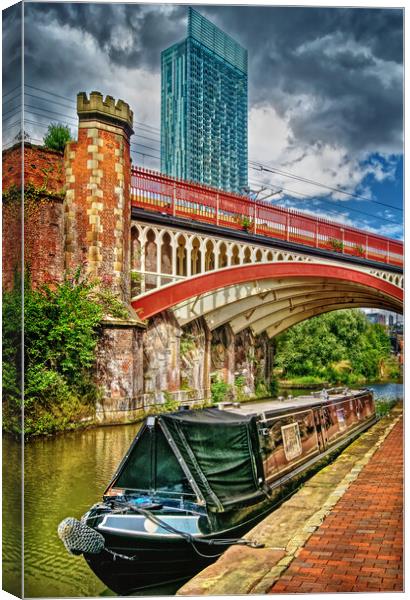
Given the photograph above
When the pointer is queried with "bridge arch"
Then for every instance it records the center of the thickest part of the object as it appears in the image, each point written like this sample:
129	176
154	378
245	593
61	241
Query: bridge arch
270	296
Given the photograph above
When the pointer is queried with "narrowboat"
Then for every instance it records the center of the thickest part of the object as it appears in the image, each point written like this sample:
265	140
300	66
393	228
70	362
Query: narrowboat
194	482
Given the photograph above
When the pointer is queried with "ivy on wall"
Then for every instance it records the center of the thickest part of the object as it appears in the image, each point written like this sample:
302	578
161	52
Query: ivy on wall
61	325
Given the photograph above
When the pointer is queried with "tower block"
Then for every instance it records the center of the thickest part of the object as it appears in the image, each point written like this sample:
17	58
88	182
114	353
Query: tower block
98	208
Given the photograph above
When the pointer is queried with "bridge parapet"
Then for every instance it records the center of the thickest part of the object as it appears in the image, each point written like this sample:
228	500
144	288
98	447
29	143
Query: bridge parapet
162	255
155	192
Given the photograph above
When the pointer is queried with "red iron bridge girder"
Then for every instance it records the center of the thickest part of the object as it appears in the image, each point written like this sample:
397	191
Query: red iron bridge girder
171	295
153	191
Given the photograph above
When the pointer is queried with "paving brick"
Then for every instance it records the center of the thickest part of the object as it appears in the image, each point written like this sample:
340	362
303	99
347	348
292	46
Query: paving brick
359	546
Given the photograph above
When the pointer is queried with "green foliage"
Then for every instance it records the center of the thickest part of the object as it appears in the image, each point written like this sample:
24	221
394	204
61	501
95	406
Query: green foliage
246	223
240	383
393	370
383	406
261	391
187	343
219	390
57	136
60	334
335	244
359	250
170	404
135	277
338	347
11	358
102	296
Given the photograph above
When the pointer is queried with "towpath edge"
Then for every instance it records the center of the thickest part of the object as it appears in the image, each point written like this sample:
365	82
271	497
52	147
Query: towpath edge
243	570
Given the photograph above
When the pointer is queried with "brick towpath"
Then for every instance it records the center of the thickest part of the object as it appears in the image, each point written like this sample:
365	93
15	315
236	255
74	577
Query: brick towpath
359	545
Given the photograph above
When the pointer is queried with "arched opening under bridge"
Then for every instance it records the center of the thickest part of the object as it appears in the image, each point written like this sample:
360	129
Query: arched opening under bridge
270	297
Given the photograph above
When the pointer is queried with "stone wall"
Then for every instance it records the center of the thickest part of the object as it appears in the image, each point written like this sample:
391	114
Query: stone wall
161	342
195	359
223	354
245	366
119	372
244	355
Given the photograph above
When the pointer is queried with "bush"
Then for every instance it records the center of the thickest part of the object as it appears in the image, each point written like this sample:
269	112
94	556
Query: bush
261	391
240	383
336	245
57	136
338	347
383	406
60	334
219	390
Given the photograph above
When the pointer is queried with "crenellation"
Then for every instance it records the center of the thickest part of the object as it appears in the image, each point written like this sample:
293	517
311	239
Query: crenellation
95	107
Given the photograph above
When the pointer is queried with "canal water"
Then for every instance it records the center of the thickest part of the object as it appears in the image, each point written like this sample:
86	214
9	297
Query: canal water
64	476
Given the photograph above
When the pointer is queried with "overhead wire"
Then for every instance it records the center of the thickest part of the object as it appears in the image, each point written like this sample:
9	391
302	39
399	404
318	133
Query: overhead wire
12	90
274	170
150	129
330	203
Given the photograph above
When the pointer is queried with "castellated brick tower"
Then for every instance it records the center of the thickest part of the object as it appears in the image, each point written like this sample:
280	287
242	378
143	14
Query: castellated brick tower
98	210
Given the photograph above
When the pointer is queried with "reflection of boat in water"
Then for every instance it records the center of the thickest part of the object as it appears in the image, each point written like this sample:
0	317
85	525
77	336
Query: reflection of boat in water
193	482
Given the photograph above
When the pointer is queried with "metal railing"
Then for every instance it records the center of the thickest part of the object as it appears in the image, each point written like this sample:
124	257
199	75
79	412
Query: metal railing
153	191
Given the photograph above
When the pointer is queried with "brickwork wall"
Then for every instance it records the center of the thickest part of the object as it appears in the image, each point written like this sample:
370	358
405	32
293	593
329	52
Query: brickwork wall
11	242
98	211
43	168
44	240
43	214
12	217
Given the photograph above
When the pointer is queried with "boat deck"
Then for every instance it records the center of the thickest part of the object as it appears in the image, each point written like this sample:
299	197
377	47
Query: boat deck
276	405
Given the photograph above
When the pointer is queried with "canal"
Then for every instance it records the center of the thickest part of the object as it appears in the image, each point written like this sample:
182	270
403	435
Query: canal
63	477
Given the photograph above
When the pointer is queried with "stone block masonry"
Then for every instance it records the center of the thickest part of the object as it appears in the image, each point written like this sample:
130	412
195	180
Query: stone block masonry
98	208
119	371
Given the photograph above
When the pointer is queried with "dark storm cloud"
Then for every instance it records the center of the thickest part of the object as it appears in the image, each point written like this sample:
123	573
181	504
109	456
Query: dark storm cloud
151	27
11	48
348	60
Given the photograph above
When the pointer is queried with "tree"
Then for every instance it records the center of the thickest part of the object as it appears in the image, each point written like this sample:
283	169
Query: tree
57	136
339	347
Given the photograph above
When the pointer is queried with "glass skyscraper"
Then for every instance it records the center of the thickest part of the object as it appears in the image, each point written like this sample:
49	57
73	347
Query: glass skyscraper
204	108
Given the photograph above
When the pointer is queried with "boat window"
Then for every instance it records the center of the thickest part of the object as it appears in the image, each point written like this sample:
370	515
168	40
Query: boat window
288	440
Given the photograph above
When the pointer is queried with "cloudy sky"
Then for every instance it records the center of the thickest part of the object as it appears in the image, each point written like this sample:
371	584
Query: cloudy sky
325	93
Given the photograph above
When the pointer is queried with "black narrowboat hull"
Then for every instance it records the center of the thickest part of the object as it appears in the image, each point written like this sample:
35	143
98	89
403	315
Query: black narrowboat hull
193	483
157	563
161	561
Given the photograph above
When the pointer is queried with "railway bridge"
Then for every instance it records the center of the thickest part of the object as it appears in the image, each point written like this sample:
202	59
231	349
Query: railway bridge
208	278
200	252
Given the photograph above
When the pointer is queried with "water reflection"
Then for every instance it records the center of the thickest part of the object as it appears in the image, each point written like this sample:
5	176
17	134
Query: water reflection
11	516
389	391
63	477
